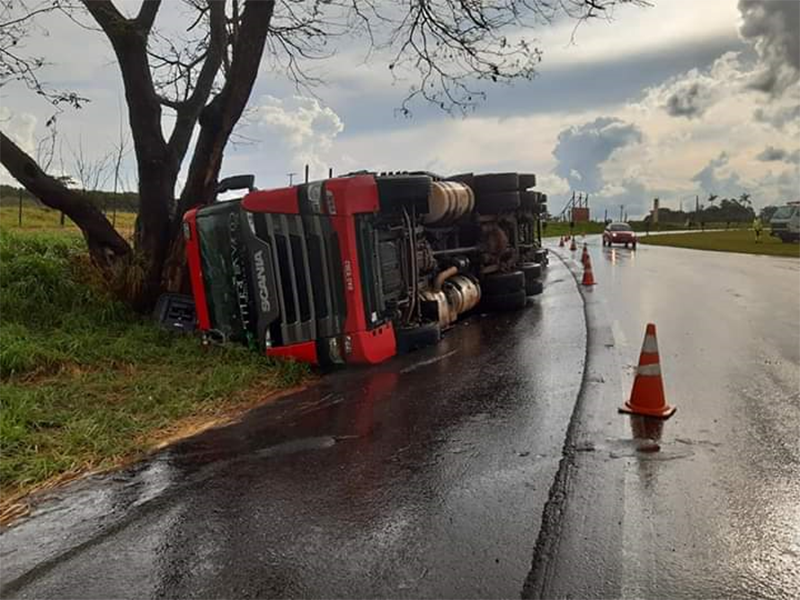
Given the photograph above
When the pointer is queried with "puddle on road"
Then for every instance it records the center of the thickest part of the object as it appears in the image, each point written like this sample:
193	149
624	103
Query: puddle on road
292	446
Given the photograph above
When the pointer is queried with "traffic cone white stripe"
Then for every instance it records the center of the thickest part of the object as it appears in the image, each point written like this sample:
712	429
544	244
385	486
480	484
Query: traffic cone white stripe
649	370
650	345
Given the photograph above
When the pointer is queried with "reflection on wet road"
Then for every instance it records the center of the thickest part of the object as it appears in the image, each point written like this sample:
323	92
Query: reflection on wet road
441	474
425	476
715	512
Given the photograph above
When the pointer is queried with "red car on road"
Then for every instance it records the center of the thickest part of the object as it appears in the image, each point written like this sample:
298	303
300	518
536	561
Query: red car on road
619	233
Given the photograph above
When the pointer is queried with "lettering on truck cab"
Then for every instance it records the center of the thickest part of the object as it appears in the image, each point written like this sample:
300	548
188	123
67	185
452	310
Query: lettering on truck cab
261	280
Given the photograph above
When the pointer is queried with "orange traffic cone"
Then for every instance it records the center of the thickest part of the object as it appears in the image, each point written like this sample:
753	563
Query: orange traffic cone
572	245
585	255
588	276
561	242
647	395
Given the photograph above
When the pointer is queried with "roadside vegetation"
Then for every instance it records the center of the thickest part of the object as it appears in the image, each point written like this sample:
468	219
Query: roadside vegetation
35	217
741	240
86	383
559	228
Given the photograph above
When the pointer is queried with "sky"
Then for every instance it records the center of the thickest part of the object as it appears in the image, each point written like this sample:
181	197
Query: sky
677	100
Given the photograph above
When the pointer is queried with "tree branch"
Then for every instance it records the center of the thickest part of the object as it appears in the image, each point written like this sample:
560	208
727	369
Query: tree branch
219	117
188	111
103	240
147	14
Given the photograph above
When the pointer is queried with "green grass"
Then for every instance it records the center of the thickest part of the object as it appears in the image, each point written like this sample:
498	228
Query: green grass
725	241
85	382
35	217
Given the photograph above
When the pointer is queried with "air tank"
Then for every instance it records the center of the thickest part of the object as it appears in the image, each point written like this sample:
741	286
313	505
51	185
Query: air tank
448	201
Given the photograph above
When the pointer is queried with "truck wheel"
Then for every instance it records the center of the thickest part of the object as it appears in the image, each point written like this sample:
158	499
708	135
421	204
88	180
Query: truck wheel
532	271
465	178
503	283
526	181
402	190
496	202
529	200
503	302
540	256
496	182
534	288
414	338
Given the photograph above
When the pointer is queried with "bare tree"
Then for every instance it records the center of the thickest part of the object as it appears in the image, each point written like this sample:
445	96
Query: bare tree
447	49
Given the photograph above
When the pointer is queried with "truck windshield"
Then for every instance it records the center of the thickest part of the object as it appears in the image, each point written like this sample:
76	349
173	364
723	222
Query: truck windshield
214	231
784	212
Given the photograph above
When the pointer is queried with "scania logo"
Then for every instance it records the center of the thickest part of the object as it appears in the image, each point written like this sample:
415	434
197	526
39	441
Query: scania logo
261	280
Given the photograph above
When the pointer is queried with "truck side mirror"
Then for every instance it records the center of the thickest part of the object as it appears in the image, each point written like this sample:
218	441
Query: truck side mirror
237	182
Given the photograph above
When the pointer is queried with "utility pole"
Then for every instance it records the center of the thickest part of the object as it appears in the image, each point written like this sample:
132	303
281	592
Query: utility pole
306	173
291	177
605	216
330	172
621	208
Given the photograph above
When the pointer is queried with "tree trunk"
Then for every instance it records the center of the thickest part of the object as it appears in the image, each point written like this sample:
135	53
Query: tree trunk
220	116
217	121
106	247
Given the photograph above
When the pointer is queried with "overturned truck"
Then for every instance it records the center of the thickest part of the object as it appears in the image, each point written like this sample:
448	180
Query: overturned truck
358	268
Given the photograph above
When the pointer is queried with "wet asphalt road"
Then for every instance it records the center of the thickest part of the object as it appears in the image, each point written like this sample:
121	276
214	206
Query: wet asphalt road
716	512
426	476
493	465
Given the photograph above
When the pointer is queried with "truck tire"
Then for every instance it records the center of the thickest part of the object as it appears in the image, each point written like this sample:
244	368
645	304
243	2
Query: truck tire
534	288
526	181
403	190
540	256
496	202
505	302
531	270
414	338
465	178
529	200
503	283
496	182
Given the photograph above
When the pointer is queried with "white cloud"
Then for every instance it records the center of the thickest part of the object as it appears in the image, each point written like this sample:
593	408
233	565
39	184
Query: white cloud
307	128
21	128
581	150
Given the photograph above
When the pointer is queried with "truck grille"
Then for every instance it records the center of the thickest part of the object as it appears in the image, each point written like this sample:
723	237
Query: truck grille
305	254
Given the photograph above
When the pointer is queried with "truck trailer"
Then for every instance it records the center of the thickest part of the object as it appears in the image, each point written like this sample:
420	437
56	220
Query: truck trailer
358	268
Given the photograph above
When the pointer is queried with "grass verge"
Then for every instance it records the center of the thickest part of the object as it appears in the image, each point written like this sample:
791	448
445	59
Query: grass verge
87	384
43	218
725	241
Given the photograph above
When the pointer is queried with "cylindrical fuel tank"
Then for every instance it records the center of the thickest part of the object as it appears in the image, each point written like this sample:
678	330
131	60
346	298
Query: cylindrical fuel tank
448	201
459	294
463	294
